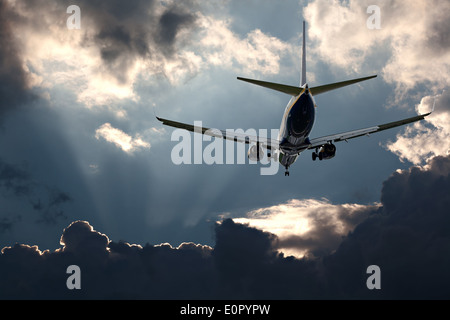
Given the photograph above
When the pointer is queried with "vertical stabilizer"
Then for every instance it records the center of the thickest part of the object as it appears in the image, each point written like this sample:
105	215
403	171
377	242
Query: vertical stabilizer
303	81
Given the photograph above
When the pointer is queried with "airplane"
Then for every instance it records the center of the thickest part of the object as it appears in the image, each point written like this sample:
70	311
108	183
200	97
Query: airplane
297	123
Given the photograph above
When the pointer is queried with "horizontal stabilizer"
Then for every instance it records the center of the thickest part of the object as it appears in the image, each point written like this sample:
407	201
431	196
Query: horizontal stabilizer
295	91
291	90
332	86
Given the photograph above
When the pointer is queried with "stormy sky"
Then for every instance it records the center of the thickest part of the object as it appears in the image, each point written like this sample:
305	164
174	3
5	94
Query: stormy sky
86	175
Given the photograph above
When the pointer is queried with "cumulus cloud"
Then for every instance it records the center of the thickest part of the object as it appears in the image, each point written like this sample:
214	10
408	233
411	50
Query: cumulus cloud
119	138
80	235
412	32
423	141
109	269
406	236
257	52
308	227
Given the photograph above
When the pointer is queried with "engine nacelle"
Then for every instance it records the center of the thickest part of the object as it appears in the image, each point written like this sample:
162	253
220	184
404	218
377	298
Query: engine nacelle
255	153
273	155
328	151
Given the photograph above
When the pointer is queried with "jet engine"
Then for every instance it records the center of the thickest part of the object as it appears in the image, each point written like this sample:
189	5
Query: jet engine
327	151
255	153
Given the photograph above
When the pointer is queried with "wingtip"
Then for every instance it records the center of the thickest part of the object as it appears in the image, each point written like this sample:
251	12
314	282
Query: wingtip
154	113
432	109
422	116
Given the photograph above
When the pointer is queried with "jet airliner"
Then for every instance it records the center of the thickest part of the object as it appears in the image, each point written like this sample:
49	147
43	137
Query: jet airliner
297	123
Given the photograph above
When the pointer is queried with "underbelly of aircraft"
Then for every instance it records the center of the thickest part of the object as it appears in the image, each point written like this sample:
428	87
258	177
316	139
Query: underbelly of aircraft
298	125
286	160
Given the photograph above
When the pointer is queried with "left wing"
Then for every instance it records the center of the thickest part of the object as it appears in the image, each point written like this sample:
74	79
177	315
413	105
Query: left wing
270	144
318	142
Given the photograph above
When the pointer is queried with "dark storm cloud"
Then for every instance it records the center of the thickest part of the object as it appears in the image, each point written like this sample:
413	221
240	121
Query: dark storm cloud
407	237
120	270
17	182
13	80
124	31
109	269
249	266
170	23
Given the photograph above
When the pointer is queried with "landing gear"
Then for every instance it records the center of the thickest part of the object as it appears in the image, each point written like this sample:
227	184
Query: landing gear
317	154
286	173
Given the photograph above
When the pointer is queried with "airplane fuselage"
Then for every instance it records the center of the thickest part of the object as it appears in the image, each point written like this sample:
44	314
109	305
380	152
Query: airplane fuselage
296	125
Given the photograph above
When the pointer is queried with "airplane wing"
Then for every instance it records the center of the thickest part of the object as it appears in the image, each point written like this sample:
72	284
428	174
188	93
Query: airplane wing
270	144
318	142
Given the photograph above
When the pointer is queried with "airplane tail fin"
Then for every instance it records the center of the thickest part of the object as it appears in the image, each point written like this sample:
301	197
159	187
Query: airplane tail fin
303	80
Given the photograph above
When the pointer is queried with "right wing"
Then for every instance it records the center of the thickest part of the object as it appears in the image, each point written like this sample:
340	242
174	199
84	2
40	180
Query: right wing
318	142
270	144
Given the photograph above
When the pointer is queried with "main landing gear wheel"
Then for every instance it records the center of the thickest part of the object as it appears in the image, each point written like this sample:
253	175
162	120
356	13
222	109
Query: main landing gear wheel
317	155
